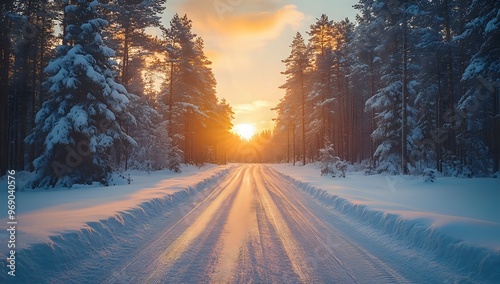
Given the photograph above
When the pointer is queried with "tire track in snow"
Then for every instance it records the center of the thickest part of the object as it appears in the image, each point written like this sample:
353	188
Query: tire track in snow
291	246
174	250
256	227
298	209
237	230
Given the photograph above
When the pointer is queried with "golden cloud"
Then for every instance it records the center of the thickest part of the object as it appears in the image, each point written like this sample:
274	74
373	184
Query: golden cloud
232	22
251	107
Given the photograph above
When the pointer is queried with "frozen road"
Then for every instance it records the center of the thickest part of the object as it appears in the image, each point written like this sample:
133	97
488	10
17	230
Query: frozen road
255	227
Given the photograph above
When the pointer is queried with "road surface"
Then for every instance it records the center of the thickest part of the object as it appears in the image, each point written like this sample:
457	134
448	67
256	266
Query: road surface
256	227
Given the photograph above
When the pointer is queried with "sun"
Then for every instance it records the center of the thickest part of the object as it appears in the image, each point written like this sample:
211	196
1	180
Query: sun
245	131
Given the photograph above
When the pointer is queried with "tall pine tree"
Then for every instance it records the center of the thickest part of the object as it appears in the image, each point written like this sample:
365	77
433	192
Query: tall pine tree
480	106
297	65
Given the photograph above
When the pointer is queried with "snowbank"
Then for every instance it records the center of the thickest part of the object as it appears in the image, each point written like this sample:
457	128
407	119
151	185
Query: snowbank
458	220
55	227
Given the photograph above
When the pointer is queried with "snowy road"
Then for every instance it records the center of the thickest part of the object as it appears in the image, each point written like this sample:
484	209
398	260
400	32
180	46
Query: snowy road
256	227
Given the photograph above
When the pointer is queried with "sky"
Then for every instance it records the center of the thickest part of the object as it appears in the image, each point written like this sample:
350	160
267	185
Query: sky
246	41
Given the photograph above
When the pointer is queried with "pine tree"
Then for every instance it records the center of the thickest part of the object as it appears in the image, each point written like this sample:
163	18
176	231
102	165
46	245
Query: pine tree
429	49
86	110
297	64
327	159
6	9
394	114
217	133
343	115
480	105
365	67
129	20
27	34
189	98
321	45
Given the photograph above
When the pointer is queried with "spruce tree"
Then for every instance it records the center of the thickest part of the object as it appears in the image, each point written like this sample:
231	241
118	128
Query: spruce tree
480	106
86	109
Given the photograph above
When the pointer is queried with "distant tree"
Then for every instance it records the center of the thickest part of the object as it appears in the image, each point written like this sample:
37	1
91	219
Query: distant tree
152	142
221	126
85	111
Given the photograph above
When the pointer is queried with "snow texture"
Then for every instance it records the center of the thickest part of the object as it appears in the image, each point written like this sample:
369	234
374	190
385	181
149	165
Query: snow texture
59	225
457	220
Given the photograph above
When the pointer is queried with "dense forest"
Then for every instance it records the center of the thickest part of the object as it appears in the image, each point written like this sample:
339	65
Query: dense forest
86	91
413	85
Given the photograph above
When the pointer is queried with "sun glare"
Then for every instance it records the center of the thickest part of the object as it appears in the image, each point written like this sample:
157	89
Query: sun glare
245	131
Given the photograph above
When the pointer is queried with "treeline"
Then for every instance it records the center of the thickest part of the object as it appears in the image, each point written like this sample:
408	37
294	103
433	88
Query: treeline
412	85
85	90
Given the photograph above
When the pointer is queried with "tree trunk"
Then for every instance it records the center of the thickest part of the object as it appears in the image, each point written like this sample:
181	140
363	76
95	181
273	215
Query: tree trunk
439	95
496	130
303	105
451	84
404	101
293	143
125	59
4	90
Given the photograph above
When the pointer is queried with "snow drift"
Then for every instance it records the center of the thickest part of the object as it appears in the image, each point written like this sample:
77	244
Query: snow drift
90	246
482	263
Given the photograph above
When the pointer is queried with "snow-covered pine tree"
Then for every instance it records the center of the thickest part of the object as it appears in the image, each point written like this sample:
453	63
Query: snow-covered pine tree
480	106
328	160
83	116
365	68
392	103
429	52
127	36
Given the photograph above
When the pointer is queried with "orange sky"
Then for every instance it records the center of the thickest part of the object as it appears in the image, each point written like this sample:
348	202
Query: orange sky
246	41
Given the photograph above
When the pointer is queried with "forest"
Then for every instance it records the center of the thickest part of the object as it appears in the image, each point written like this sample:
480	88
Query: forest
412	85
86	90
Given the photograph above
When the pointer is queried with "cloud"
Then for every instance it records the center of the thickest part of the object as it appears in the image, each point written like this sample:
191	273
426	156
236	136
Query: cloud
265	24
251	107
233	22
245	40
261	103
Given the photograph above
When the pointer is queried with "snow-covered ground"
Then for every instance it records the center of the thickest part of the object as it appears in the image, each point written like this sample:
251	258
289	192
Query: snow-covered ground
465	209
454	218
374	227
238	224
44	213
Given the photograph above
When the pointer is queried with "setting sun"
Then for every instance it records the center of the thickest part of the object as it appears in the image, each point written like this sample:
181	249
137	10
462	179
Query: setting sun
245	131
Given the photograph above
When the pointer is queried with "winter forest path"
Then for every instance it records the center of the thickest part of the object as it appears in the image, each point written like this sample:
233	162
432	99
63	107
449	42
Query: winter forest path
255	227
